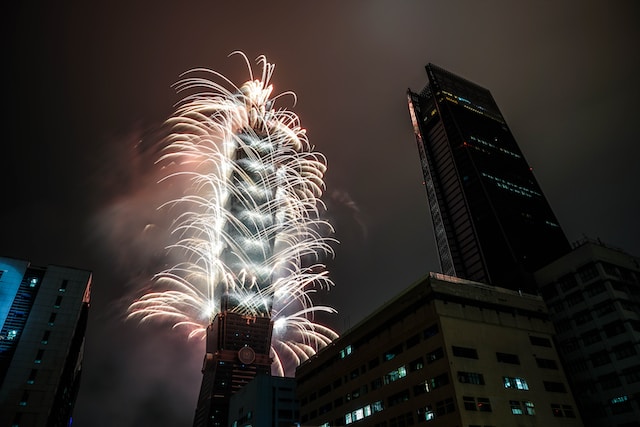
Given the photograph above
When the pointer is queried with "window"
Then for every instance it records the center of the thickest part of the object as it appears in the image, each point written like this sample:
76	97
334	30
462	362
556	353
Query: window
595	289
58	302
546	363
554	387
624	350
577	365
52	319
587	272
376	384
373	363
540	341
604	308
63	286
435	355
632	374
469	353
529	408
609	381
614	328
582	317
515	382
567	282
621	404
480	404
570	345
516	409
574	298
470	378
24	399
396	374
508	358
426	414
416	365
430	331
413	341
393	352
600	358
39	355
32	376
562	410
397	398
346	351
445	406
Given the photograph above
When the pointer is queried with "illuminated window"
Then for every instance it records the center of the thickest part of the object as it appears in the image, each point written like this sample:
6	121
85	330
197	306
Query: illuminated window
346	351
515	382
63	286
12	334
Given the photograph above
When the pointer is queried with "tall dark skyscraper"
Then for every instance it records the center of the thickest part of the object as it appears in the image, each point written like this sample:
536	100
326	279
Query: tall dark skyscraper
43	317
492	222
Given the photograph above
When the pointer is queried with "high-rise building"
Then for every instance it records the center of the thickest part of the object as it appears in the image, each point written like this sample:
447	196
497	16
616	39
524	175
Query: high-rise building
237	350
43	313
593	294
447	352
492	222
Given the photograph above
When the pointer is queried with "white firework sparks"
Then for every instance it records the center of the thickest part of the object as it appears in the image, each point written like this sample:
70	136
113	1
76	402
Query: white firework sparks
250	228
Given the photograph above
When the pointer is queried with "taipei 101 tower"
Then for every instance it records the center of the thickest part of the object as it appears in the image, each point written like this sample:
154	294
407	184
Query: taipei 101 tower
250	228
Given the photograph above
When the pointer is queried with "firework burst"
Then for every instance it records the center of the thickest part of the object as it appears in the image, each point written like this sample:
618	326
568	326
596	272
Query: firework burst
249	229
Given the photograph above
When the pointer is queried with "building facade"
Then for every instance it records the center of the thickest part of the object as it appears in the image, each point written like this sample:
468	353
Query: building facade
447	352
492	222
593	295
267	401
43	311
237	350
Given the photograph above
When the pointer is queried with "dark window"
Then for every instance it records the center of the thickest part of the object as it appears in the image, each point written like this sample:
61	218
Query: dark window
52	319
373	363
376	384
484	405
400	397
32	376
624	350
470	378
574	298
58	301
600	358
614	328
587	272
595	289
609	381
430	331
591	337
445	406
567	282
632	374
39	355
582	317
436	354
413	341
45	337
63	285
540	341
469	353
508	358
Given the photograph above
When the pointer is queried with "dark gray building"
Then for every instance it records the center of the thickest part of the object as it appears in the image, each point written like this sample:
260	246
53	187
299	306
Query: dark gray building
43	313
492	222
593	294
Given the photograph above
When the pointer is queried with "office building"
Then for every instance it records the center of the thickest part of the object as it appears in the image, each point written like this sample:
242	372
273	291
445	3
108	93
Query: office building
492	222
43	312
265	402
593	294
447	352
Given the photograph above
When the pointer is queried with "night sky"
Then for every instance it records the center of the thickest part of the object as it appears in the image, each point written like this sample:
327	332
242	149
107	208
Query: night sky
87	80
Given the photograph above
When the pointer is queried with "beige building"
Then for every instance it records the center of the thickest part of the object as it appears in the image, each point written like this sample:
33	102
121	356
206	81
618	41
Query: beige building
447	352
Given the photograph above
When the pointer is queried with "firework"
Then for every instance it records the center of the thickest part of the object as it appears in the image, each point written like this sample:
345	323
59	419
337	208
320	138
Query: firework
248	229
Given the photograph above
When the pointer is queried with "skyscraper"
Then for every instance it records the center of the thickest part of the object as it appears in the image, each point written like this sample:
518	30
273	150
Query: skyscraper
43	313
237	350
491	219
